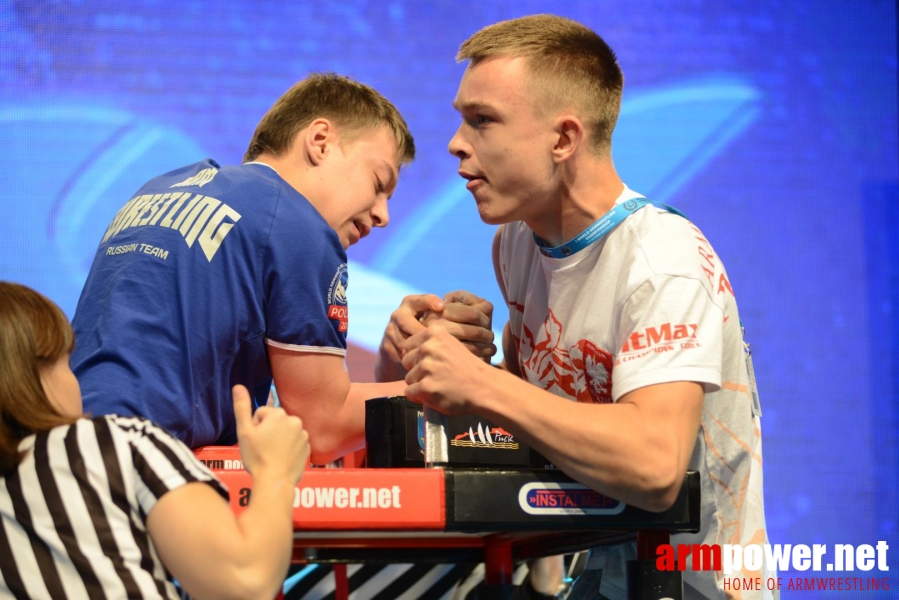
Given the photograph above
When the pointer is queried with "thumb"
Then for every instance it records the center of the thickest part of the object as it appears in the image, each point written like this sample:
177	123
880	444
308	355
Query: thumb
424	302
243	413
462	296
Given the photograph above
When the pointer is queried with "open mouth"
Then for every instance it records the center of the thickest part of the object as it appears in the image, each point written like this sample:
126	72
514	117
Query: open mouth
474	181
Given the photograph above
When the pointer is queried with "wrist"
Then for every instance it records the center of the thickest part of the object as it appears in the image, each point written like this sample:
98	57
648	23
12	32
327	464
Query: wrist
277	485
386	369
489	387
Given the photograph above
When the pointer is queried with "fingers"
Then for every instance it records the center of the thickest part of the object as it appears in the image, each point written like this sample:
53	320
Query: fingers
404	321
463	313
467	333
484	351
420	303
243	409
263	412
463	297
410	359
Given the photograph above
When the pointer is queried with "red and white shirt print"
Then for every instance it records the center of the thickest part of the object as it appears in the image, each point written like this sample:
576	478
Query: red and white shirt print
582	372
649	303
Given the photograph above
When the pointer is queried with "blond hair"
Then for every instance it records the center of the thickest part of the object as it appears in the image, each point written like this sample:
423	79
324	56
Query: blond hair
347	103
571	68
34	334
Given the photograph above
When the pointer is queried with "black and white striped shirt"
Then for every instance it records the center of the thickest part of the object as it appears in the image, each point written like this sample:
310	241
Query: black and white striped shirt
74	512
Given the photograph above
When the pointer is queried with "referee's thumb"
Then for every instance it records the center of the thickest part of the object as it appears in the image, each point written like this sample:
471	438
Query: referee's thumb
243	411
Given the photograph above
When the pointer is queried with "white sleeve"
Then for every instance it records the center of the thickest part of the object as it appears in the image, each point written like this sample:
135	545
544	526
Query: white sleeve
669	330
161	463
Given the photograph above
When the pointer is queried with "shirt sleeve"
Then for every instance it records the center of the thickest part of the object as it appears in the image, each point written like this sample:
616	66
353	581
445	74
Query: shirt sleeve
305	282
669	330
161	462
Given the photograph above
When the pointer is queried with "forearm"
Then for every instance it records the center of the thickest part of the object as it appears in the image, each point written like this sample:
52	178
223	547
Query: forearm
345	430
611	448
387	369
266	540
193	527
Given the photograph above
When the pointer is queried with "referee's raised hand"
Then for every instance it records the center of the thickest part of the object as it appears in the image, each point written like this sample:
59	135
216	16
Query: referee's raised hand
273	444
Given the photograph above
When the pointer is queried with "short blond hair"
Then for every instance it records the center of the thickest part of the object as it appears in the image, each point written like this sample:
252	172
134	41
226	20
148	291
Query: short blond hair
350	105
571	68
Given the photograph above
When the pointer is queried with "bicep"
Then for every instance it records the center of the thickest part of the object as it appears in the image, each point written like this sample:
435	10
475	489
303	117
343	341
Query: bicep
312	386
670	414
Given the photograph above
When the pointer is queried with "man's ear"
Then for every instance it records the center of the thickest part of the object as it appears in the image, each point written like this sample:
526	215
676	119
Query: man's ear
318	138
570	132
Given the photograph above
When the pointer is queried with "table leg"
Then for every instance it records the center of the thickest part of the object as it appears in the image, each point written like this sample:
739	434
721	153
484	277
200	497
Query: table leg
497	562
341	582
644	580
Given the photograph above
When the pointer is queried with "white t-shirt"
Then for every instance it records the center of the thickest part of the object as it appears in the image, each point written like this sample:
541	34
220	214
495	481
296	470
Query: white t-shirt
649	303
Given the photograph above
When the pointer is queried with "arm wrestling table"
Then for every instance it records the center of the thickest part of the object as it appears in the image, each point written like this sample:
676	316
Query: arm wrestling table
465	515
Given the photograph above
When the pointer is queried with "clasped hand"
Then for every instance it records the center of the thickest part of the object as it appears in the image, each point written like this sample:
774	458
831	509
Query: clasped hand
446	349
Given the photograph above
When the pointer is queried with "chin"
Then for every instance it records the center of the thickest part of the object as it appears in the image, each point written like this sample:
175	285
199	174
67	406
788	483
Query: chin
492	218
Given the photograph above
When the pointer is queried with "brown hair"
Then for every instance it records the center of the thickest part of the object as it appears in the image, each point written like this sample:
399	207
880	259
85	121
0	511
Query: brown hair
347	103
34	333
571	67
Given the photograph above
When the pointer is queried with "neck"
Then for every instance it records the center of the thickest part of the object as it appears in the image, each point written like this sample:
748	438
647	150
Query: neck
288	168
577	201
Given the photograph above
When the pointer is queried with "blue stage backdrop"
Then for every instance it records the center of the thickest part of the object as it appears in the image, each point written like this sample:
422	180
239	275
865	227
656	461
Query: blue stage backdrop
773	125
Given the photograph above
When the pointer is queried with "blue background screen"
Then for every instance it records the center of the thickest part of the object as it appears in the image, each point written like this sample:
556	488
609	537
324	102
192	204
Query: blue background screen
773	125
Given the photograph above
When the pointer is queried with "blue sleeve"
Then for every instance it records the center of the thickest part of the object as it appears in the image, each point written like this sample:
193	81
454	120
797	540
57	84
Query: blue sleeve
304	281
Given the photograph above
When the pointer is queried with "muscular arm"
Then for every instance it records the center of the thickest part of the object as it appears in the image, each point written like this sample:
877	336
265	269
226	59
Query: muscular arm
636	450
317	388
192	527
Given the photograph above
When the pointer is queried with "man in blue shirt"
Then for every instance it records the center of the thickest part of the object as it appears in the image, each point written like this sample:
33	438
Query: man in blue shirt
211	276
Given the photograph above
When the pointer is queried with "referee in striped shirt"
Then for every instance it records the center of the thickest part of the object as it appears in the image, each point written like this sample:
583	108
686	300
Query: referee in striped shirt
115	507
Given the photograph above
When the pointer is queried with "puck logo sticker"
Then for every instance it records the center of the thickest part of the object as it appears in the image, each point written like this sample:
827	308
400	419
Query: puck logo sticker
546	498
485	437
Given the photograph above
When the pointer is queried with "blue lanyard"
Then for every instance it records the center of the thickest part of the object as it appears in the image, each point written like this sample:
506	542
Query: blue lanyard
601	227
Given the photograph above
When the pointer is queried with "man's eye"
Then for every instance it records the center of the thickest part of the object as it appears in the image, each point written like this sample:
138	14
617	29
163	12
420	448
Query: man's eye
481	119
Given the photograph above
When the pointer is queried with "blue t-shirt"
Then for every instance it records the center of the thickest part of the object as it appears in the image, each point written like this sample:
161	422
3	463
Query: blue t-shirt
200	270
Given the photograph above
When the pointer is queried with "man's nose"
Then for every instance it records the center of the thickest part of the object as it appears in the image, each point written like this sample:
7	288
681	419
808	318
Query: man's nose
380	215
458	147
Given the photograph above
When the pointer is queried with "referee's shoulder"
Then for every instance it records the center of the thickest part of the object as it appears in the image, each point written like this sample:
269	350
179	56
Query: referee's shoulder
126	424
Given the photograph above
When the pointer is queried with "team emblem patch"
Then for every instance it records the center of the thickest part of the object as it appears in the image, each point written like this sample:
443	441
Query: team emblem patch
337	305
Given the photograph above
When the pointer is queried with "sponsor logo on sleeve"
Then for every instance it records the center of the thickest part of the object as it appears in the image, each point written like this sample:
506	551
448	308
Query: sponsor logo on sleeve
547	498
337	301
655	339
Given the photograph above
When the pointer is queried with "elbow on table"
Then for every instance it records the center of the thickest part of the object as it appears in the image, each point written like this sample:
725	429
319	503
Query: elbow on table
660	488
663	499
326	448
